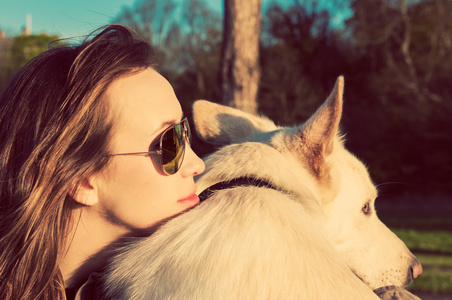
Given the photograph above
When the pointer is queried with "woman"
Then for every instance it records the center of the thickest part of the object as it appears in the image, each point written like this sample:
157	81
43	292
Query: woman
92	149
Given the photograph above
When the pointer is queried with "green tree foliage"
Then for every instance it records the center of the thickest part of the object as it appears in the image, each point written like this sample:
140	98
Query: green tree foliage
22	49
25	47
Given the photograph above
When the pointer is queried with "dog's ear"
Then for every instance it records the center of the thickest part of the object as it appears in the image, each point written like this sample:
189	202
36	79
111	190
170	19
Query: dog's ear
315	139
222	125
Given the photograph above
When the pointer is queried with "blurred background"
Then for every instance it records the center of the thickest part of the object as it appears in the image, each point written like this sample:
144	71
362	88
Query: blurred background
395	55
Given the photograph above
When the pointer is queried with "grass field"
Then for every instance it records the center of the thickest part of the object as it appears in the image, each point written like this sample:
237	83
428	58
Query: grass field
426	228
433	249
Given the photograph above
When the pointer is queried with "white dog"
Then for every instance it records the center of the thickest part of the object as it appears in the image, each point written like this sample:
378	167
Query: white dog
294	219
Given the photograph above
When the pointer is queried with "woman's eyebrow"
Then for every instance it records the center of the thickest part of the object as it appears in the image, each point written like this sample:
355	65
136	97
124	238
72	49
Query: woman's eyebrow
171	123
165	125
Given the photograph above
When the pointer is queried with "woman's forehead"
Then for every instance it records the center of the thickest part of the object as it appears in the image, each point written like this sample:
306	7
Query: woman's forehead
142	103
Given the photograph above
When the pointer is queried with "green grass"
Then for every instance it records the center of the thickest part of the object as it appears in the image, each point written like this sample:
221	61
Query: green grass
423	221
434	251
426	241
437	275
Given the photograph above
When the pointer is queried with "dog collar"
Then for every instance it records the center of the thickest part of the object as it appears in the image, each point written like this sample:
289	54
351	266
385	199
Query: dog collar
236	182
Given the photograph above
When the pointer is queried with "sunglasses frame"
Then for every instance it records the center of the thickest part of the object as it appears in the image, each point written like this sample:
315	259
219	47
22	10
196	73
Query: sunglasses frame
186	135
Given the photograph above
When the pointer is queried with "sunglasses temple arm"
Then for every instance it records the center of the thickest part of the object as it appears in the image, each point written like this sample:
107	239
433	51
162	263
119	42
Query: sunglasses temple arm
138	153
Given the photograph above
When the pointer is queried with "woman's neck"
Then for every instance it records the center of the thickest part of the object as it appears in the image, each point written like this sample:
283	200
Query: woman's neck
88	245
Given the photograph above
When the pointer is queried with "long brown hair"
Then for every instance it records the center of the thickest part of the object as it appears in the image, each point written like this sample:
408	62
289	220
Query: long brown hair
54	131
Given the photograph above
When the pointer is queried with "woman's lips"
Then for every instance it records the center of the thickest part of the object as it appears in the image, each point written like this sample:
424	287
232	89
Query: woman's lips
191	200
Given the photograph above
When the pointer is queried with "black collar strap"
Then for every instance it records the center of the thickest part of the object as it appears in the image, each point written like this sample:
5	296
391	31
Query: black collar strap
236	182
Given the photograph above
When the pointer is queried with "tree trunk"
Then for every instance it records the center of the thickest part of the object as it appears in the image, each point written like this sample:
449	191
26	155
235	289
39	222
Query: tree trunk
239	71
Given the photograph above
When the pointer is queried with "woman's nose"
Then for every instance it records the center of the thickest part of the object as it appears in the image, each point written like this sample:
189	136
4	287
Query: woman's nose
192	165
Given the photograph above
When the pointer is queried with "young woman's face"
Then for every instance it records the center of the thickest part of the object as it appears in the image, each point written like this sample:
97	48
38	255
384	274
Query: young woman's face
133	193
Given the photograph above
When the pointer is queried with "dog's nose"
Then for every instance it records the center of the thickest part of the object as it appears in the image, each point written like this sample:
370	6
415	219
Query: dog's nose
416	269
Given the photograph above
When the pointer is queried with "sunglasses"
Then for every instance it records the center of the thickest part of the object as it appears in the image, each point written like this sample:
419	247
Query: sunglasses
172	147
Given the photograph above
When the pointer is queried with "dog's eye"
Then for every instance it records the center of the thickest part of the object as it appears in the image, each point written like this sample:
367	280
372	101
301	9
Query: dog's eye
366	209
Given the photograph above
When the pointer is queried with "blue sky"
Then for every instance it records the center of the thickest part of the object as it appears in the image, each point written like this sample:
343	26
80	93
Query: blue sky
69	18
63	17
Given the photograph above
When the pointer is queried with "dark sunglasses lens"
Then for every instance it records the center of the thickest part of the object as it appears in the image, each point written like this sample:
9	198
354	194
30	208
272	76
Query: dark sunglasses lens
187	129
173	149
